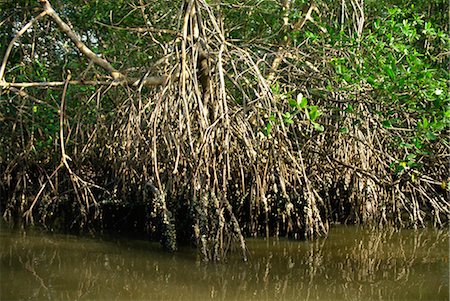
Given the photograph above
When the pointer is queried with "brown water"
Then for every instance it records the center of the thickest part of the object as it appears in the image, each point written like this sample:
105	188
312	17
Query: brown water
351	264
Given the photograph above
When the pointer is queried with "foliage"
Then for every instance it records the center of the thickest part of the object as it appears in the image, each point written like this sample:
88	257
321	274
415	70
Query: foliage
399	62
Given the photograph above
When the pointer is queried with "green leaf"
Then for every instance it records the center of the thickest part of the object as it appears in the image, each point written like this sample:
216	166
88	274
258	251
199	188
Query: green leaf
343	130
272	118
418	143
313	113
389	71
293	103
437	126
318	127
413	164
411	157
447	113
400	167
288	121
302	102
425	122
349	109
431	136
386	124
276	88
406	145
266	130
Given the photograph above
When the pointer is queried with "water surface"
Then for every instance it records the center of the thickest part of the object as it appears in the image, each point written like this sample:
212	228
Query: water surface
351	264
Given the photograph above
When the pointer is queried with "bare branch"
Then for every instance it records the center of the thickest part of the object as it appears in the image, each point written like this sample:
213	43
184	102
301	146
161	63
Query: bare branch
135	82
14	40
78	43
140	29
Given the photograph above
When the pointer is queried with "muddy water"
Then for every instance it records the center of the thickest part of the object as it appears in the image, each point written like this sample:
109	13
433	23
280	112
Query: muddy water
351	264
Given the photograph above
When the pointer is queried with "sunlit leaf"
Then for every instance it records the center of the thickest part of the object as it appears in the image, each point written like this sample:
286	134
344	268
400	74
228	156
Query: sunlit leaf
318	127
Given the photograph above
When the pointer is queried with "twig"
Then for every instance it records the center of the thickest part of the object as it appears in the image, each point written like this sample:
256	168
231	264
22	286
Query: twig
78	43
135	82
103	63
141	29
28	215
14	40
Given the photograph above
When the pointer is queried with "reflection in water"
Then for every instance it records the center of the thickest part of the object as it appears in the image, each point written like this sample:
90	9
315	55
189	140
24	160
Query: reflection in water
351	264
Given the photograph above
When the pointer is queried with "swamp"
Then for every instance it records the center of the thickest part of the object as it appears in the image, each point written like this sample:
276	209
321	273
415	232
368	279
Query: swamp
351	264
224	150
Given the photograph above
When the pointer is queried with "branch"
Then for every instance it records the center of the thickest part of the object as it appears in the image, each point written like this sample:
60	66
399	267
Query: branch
11	44
117	76
308	17
141	29
78	43
135	82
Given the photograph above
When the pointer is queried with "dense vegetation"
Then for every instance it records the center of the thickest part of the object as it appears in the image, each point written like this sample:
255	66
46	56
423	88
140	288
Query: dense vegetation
210	121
